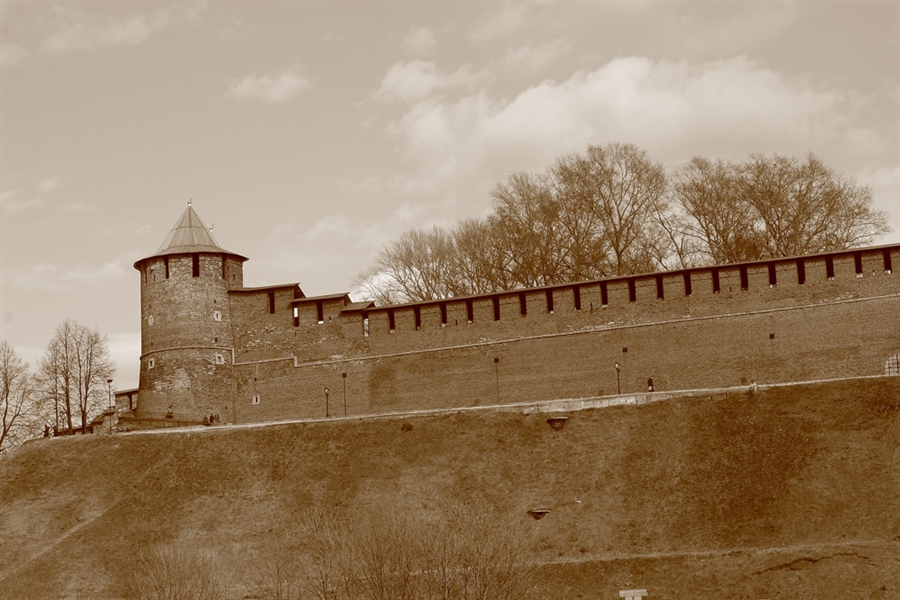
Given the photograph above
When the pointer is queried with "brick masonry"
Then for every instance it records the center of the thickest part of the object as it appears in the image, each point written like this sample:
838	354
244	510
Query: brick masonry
266	354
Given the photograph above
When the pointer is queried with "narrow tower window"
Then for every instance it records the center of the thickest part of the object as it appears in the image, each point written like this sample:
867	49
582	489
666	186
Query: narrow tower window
296	316
166	262
195	264
271	303
857	262
886	254
715	281
660	288
523	304
687	283
470	311
320	312
576	292
604	294
632	292
443	314
391	323
829	267
745	281
418	314
496	300
773	275
801	271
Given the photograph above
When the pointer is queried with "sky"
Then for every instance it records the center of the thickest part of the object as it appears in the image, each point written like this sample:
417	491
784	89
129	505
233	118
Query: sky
309	134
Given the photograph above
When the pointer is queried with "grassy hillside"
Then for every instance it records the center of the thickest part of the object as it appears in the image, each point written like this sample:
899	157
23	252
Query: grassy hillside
794	493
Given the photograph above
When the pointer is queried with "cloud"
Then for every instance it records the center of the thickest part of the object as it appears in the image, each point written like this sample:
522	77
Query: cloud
417	80
674	109
74	30
420	41
47	277
13	202
507	20
48	185
12	54
272	89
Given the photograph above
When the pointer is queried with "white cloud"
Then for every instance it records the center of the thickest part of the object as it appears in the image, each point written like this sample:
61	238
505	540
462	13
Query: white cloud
13	202
48	185
272	89
72	29
674	109
420	41
47	277
418	80
12	54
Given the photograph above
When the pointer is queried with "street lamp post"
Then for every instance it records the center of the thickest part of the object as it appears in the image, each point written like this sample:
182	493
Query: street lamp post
344	377
327	410
618	379
111	405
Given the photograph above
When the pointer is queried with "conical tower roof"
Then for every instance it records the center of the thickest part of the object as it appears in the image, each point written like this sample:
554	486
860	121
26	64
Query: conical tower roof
188	236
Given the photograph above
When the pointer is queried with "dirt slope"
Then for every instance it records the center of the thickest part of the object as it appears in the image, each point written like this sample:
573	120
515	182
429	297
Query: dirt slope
794	493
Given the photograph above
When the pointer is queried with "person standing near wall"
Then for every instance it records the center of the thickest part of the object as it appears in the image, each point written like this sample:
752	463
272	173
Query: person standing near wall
650	384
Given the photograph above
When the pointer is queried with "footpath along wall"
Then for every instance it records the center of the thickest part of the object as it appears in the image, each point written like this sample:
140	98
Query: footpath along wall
261	354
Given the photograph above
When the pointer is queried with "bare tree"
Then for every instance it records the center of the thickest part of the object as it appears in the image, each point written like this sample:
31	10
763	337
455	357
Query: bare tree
622	191
716	221
74	371
19	410
804	207
771	206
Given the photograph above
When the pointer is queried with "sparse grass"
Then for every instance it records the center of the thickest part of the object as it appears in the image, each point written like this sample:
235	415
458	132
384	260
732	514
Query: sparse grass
735	477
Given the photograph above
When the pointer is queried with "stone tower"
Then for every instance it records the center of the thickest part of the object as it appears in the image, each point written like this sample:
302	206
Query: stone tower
186	335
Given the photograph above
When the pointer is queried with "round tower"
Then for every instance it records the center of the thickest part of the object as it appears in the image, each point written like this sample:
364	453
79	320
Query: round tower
186	337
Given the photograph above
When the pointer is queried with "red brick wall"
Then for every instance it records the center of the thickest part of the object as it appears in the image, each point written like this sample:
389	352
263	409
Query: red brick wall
822	328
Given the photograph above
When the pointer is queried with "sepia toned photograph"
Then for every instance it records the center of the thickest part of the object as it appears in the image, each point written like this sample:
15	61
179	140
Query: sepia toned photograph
449	300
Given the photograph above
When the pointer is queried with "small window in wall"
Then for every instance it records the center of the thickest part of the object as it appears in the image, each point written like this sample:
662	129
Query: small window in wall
773	275
550	302
195	265
496	300
892	365
715	281
687	283
632	291
801	271
886	254
224	268
150	320
523	304
256	399
660	288
417	312
151	363
271	303
443	314
365	320
220	360
392	324
320	312
166	263
296	316
576	292
829	267
604	294
217	315
470	311
745	280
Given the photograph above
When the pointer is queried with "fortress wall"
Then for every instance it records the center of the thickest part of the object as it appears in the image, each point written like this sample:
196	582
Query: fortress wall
851	337
191	380
619	309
